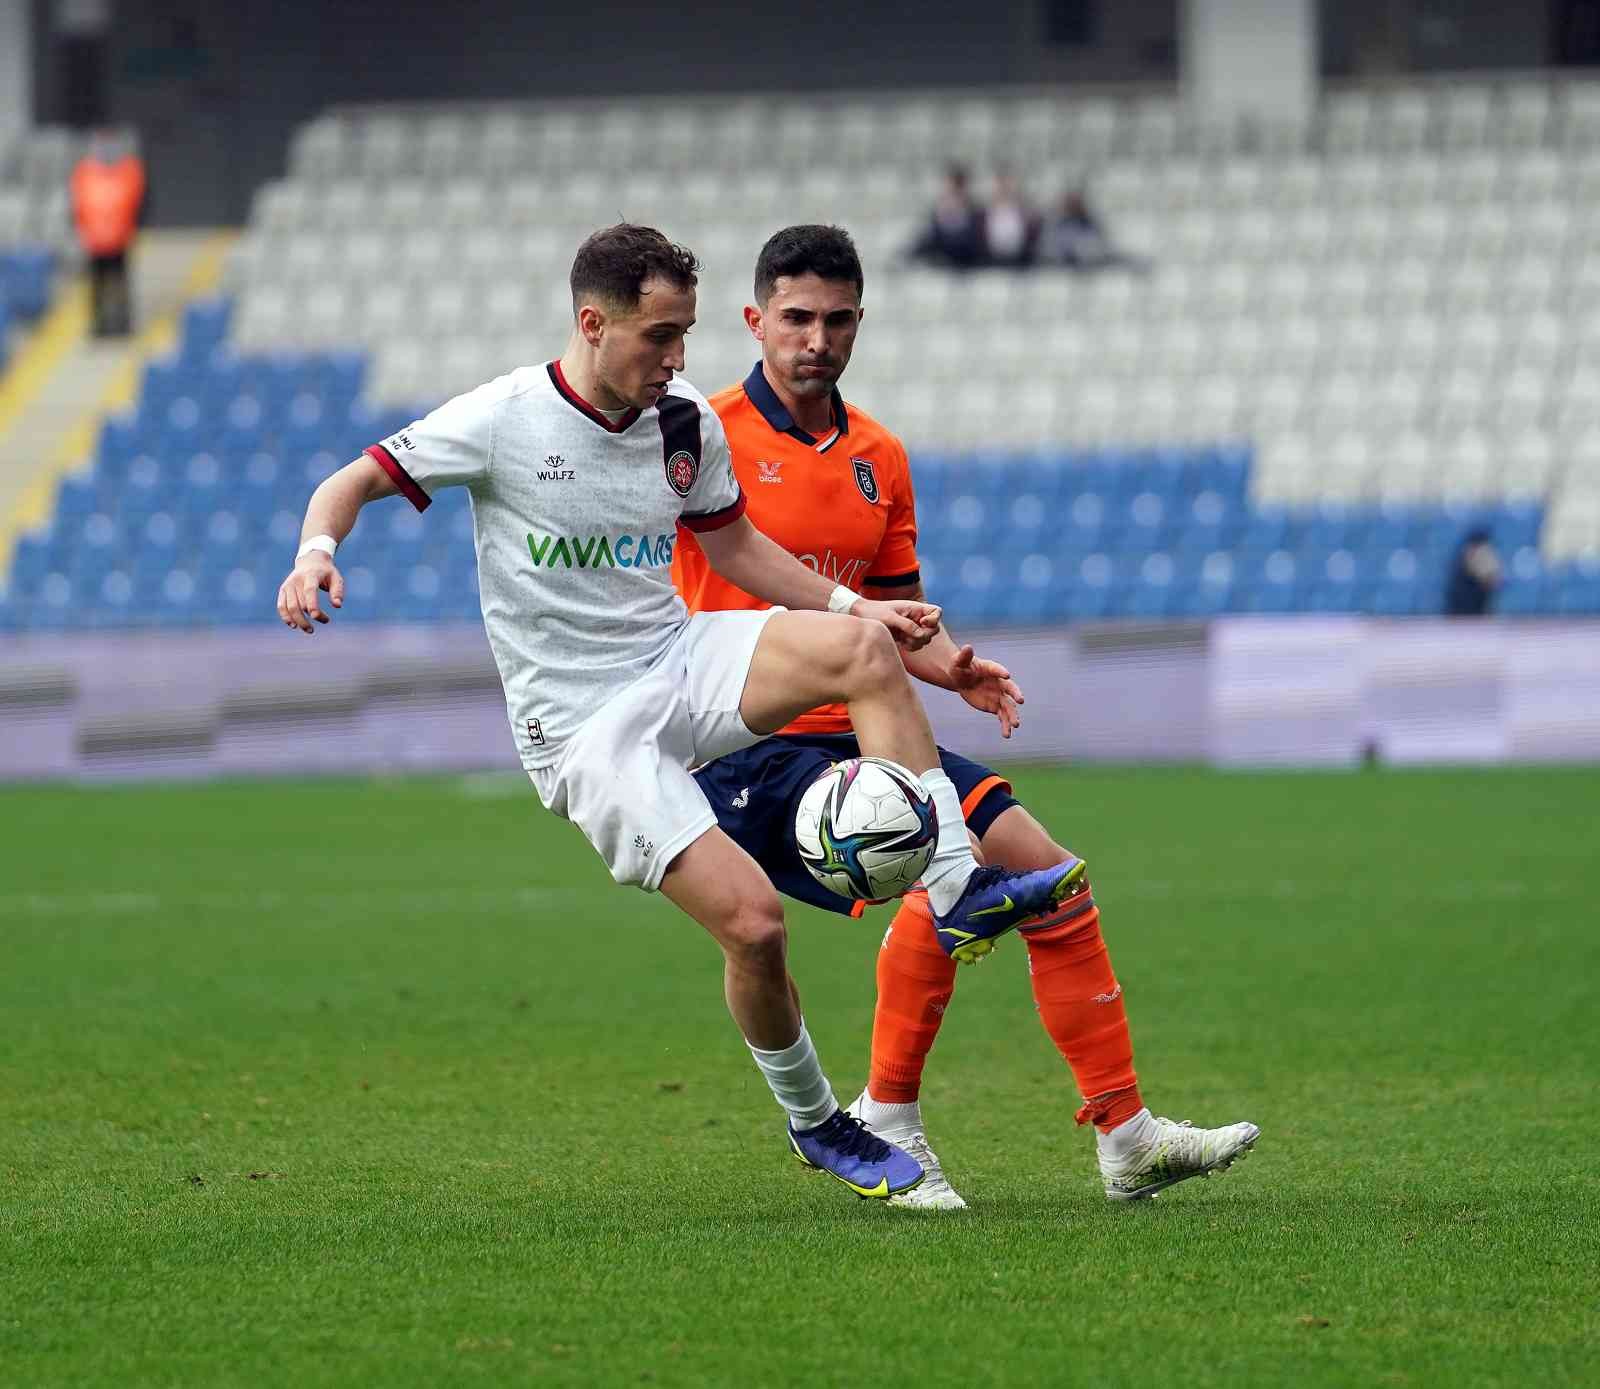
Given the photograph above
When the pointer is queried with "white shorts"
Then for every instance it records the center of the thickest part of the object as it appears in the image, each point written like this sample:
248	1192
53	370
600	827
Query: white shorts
623	777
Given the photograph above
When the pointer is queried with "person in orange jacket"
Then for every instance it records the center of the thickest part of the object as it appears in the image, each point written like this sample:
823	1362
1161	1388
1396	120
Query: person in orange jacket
108	188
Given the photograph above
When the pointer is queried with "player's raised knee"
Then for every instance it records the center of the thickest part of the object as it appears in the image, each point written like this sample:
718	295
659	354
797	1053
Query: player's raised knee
867	653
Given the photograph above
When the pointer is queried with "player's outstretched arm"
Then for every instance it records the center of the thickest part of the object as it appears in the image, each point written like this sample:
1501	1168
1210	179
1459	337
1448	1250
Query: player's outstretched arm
331	513
985	685
760	566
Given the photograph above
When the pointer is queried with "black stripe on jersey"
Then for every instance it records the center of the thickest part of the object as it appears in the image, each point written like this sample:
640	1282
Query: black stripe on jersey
680	433
700	521
893	580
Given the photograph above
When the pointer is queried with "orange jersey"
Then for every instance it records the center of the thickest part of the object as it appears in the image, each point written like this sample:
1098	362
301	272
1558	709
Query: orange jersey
840	504
105	203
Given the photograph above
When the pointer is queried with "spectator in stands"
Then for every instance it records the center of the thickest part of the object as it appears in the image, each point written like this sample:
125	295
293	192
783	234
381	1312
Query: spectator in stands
108	188
1474	577
954	234
1010	225
1073	237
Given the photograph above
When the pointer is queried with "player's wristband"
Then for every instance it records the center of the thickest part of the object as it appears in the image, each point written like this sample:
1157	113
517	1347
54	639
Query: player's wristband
842	599
326	543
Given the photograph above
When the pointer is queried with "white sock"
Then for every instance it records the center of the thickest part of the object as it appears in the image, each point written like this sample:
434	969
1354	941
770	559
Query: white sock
797	1082
952	862
1128	1136
882	1118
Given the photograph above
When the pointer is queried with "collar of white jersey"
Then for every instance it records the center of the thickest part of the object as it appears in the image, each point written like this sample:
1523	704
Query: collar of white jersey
577	402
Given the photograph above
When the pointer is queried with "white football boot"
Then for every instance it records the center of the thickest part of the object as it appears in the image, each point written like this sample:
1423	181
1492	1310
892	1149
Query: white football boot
1160	1152
901	1124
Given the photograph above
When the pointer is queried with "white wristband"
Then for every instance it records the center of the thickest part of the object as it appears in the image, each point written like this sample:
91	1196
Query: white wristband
842	599
326	543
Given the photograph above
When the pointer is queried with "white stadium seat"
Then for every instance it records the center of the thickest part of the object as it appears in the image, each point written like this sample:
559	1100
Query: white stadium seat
1577	116
1404	305
1465	117
1404	119
1523	120
1346	121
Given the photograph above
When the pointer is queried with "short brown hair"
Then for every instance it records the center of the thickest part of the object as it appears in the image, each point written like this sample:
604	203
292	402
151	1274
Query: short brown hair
614	262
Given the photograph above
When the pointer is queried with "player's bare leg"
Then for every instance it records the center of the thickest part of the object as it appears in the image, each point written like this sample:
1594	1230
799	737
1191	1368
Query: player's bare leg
720	886
809	658
804	659
723	888
1017	839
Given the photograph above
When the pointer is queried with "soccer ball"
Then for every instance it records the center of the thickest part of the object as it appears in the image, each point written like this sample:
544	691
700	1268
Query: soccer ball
866	829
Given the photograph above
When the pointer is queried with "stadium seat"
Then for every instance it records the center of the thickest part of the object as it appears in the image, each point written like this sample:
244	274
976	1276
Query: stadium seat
1398	309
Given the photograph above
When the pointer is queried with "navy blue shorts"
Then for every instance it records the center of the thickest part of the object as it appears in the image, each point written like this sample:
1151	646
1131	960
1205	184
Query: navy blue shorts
754	795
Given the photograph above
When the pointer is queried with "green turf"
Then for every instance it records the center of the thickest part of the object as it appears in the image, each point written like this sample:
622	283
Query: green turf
385	1083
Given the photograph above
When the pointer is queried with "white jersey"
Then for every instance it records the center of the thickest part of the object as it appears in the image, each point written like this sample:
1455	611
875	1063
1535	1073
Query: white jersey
574	517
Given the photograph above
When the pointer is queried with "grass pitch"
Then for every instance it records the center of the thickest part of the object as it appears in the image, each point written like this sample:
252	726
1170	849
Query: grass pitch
385	1083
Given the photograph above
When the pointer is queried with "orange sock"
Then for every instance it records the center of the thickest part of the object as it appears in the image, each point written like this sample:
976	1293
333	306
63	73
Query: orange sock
1080	1004
915	981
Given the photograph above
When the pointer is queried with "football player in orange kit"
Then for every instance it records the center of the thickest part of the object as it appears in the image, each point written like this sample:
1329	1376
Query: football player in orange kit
833	486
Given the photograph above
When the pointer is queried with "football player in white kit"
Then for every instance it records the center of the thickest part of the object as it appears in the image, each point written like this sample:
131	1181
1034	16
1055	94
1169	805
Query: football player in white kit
579	471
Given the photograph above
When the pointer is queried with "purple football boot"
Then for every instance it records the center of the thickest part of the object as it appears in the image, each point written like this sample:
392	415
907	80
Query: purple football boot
996	901
847	1150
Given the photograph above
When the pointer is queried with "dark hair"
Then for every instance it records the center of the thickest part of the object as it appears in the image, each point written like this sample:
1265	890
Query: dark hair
826	252
614	262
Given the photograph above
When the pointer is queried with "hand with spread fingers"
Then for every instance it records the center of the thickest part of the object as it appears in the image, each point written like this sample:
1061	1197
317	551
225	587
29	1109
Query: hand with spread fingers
987	686
313	573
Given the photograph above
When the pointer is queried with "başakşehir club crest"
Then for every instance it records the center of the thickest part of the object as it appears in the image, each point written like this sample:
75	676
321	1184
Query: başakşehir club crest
866	479
682	469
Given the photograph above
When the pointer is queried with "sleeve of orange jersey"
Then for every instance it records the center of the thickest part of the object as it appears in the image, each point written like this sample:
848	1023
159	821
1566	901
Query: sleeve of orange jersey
699	585
896	562
687	568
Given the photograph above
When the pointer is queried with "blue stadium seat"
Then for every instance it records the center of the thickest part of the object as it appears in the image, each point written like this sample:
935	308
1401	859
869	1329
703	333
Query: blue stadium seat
1517	525
1228	467
201	484
929	477
1266	530
1398	598
1331	596
1205	600
76	498
120	444
283	528
25	280
1327	530
242	598
1393	528
196	499
30	561
1028	520
1040	598
205	326
340	378
1153	517
1522	596
1578	590
1156	592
